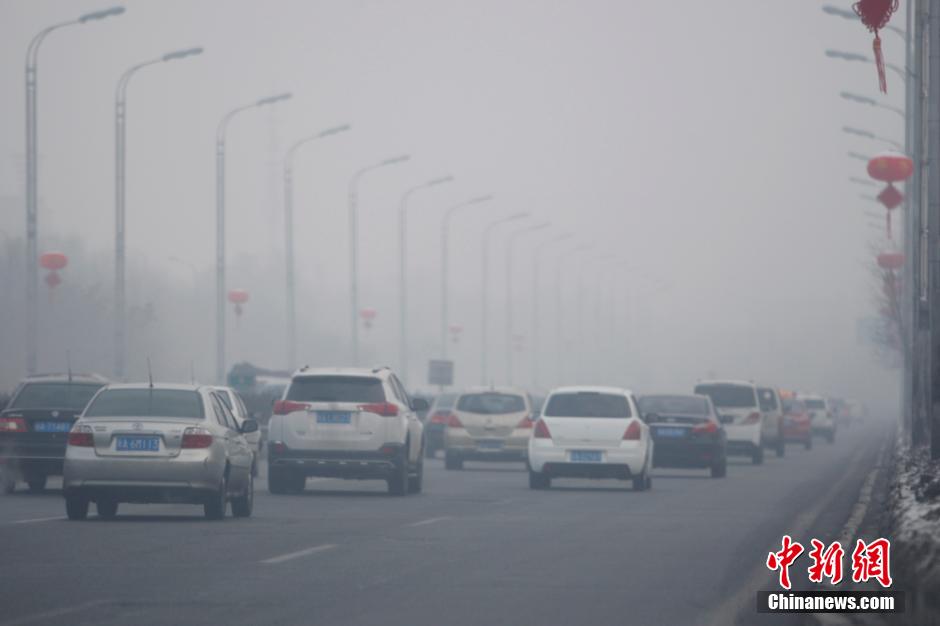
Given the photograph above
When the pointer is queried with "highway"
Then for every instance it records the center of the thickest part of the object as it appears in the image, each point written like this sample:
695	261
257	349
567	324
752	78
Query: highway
477	547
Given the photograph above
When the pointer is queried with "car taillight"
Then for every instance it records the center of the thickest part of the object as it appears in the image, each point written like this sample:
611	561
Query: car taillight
453	421
525	422
283	407
541	430
753	418
707	428
196	437
278	447
385	409
81	437
633	431
12	425
441	417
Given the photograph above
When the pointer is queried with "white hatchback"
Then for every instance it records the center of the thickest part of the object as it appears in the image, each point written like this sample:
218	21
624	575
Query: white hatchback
590	432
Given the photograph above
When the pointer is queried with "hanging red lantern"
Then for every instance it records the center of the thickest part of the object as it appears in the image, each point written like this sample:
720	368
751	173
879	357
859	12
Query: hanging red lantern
890	197
368	316
53	261
875	15
238	297
891	167
53	279
890	261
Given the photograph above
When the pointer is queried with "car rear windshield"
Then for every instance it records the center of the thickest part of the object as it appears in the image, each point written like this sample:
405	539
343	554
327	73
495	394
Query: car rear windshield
814	404
444	401
587	404
768	400
491	403
674	405
147	402
793	406
336	389
54	396
728	396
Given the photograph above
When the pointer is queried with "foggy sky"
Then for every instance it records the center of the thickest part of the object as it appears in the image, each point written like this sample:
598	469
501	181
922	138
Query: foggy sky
699	142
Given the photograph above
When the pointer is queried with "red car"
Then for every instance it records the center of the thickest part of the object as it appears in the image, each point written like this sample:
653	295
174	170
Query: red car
797	425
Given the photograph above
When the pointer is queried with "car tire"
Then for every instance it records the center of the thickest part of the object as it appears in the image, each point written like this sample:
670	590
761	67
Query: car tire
808	444
398	479
277	481
296	483
37	483
719	468
539	481
781	447
643	482
416	482
217	502
452	461
243	505
76	508
107	509
757	456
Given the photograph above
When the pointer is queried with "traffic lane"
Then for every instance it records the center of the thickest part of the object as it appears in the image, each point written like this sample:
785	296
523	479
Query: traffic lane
480	547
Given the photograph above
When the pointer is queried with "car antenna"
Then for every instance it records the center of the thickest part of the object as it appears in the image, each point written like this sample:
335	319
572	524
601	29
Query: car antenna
68	364
192	373
150	394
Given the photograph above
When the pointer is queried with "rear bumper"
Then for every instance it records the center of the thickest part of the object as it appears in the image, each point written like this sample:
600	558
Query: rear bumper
21	454
192	470
622	462
142	493
338	463
587	470
687	453
741	448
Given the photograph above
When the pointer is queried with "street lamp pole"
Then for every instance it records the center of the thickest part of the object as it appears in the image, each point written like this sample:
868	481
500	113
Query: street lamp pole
289	237
536	317
354	246
32	176
402	263
120	213
510	247
485	240
853	97
445	253
220	228
867	134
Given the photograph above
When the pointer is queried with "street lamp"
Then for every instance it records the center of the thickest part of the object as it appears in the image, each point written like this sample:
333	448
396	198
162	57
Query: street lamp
220	227
867	134
863	181
853	97
445	251
855	56
510	248
859	156
354	246
402	263
289	236
536	318
120	213
32	174
559	263
487	233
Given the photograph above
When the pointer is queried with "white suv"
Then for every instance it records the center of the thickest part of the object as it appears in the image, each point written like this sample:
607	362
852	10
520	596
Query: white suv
752	416
820	415
346	423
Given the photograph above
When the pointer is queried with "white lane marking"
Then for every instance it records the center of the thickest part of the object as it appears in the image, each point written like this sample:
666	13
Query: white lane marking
300	553
860	510
47	615
37	519
425	522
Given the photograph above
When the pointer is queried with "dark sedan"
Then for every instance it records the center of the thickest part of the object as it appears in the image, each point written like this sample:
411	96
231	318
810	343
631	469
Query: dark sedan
686	432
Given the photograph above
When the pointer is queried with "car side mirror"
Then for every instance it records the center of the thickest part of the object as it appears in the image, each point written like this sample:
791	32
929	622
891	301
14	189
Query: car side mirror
419	404
249	426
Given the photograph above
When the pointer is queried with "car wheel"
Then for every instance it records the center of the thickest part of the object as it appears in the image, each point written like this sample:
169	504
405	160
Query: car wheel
37	483
243	505
398	480
781	447
107	509
76	508
216	502
296	483
808	443
757	457
416	482
719	468
538	480
277	481
642	482
254	464
452	461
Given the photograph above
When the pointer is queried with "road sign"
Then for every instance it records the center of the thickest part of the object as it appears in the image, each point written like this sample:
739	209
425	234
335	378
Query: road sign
440	372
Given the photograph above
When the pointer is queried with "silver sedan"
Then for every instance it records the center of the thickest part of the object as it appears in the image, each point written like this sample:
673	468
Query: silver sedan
143	443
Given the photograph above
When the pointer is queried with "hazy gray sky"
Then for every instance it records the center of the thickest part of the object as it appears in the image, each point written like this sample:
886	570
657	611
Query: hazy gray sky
698	141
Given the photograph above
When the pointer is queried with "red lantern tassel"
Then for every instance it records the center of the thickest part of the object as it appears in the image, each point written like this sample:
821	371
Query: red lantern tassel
880	64
888	216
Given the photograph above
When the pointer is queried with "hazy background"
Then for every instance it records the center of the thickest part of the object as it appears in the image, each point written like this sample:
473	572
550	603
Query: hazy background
699	142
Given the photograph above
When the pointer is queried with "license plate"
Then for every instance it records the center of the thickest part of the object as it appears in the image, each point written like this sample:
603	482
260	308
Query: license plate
52	427
670	432
490	444
585	456
333	417
138	444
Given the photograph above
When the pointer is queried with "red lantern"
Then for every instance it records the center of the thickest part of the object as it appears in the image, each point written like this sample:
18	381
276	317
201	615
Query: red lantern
238	297
890	261
455	330
53	280
368	316
53	261
891	167
875	15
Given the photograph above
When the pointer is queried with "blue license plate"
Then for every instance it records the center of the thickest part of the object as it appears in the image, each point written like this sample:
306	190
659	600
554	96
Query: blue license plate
586	456
333	417
670	432
490	444
138	444
52	427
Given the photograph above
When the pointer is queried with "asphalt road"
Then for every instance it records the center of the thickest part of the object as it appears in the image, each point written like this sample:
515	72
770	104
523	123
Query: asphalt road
478	547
